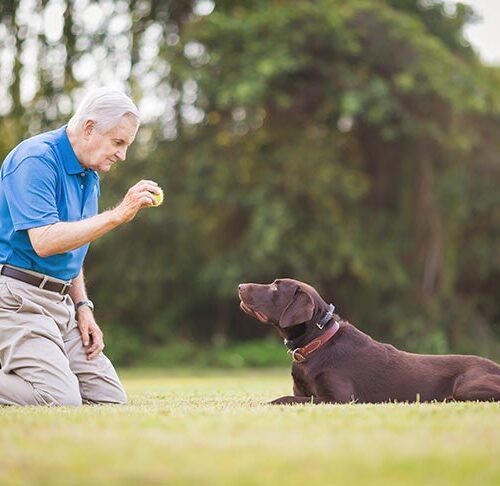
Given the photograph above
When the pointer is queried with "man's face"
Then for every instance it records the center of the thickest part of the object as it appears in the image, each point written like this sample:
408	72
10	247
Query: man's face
103	150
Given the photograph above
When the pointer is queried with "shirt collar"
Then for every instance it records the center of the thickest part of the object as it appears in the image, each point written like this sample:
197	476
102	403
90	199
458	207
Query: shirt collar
71	162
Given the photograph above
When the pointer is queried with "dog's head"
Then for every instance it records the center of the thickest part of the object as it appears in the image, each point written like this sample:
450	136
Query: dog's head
284	303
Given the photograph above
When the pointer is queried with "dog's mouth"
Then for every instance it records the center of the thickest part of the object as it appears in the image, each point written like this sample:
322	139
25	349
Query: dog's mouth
254	313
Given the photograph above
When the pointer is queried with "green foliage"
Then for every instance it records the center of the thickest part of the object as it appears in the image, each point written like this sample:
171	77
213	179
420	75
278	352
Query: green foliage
129	350
353	145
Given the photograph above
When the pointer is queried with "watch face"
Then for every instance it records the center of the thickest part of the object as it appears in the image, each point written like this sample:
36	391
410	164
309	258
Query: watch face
87	303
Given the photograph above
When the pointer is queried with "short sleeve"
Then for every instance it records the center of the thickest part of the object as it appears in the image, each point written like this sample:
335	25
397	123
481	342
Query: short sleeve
30	190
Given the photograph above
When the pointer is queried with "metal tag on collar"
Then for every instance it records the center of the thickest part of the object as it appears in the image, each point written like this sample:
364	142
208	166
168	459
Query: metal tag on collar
327	317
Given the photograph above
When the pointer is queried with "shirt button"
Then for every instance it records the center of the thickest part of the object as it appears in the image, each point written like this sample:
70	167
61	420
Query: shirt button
81	187
83	174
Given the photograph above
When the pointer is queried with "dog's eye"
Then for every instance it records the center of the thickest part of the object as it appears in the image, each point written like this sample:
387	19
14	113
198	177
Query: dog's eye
274	287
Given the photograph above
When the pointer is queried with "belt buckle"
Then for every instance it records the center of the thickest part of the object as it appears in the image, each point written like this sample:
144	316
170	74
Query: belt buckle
65	288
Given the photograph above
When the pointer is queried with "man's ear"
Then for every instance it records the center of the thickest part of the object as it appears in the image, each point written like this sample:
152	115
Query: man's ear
88	128
300	309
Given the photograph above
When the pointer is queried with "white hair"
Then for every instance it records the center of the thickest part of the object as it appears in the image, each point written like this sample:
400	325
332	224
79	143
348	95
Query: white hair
105	107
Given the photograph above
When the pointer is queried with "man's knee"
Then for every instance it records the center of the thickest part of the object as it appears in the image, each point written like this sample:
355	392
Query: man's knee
15	390
113	395
69	397
103	386
120	397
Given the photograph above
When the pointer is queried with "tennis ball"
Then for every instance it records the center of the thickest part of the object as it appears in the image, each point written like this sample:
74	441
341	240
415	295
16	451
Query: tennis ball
158	197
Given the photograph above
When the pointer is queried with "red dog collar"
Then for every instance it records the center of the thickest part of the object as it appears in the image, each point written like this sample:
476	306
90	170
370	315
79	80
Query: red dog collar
299	355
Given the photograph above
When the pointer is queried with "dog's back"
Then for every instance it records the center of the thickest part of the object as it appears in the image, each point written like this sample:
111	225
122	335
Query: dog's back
380	372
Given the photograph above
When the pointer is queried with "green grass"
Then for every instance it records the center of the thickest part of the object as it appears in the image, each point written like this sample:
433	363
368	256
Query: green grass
214	428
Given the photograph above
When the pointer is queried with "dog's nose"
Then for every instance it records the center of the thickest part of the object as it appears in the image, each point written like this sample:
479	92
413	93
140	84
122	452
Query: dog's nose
241	287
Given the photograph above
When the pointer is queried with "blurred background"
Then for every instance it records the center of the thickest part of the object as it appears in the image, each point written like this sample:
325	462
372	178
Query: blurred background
353	145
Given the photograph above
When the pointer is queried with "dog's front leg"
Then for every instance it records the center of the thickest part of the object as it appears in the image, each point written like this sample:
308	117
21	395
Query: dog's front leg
289	400
301	392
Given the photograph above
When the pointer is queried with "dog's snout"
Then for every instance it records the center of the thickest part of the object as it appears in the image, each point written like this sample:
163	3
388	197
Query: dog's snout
242	288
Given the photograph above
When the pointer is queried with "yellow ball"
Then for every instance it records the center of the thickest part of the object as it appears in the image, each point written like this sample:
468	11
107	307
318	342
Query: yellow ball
159	197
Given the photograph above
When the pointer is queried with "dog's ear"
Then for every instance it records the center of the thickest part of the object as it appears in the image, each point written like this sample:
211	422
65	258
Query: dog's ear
300	309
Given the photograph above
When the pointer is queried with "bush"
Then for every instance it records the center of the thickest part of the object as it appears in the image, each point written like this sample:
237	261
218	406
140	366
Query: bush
262	353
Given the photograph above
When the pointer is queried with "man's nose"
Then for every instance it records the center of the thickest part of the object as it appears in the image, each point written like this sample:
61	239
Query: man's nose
121	154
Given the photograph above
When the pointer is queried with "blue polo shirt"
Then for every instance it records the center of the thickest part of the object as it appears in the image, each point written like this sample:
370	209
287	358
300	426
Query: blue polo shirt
41	183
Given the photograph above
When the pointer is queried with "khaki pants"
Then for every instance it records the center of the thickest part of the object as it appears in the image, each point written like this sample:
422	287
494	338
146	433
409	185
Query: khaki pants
42	357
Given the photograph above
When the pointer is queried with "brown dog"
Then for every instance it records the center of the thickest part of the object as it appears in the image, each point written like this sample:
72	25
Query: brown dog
336	363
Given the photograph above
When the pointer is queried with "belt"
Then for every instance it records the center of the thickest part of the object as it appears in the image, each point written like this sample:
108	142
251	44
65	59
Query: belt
40	282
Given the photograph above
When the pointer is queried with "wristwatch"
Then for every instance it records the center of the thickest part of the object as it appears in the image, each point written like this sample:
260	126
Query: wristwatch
88	303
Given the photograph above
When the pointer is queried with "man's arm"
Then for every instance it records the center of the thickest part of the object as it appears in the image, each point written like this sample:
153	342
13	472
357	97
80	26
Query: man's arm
77	291
92	336
62	237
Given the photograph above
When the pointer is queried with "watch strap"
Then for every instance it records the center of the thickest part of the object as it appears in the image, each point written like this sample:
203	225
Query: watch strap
87	303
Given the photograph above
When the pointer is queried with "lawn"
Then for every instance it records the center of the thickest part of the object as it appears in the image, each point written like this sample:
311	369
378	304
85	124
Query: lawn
214	428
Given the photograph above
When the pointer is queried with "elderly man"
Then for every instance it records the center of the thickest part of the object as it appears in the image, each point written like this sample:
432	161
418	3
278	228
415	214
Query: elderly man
50	344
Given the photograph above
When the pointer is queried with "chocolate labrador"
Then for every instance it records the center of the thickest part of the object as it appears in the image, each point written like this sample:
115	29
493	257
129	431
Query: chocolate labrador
334	362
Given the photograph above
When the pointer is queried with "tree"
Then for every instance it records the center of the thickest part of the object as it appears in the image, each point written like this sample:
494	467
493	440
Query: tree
348	144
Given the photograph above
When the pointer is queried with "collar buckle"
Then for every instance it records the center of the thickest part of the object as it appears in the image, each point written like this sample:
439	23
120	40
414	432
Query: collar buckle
296	356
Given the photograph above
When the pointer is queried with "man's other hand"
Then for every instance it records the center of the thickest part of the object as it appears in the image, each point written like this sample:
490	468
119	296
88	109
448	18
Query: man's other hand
92	336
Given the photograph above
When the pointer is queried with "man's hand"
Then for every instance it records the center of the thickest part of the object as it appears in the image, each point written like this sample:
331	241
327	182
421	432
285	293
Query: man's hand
140	195
92	336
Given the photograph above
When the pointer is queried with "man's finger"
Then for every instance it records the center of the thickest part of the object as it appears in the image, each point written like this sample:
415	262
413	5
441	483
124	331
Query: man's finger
147	199
147	181
96	343
140	186
97	340
84	331
94	351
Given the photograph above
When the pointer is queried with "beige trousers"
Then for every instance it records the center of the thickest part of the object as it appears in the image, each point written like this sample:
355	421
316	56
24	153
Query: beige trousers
42	357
